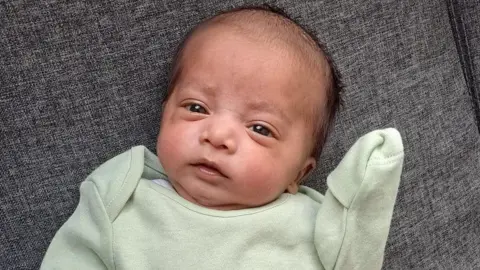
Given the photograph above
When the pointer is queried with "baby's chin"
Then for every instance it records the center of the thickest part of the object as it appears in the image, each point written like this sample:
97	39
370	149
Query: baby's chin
211	203
218	198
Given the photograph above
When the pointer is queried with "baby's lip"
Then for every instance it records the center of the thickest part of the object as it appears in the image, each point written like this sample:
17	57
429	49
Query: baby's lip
210	165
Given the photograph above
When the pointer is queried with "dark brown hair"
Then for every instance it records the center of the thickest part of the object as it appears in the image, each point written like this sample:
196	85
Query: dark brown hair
324	118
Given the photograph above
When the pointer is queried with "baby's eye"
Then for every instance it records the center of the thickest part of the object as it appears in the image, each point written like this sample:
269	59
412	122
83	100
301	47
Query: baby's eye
196	108
261	130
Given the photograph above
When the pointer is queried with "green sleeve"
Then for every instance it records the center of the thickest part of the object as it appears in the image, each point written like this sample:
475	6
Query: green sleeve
354	220
84	241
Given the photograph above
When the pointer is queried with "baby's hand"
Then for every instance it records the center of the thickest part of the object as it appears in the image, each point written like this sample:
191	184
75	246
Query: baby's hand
354	219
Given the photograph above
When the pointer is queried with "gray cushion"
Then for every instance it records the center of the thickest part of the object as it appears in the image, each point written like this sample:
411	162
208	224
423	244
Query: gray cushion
401	67
465	19
83	81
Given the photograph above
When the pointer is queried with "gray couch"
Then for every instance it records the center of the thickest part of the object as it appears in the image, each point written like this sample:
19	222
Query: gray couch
82	81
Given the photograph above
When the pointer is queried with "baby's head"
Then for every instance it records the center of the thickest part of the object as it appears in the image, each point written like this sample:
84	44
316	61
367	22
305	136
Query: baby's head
249	105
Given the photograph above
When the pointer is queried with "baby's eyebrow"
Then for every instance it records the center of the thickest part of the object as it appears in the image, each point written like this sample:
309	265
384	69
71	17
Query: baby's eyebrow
192	84
264	106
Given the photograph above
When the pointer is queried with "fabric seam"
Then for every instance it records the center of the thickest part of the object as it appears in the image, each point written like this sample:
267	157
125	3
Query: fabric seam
123	182
110	222
356	194
466	61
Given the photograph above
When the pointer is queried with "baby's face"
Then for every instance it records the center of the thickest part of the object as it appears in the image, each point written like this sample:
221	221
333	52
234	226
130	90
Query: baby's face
234	133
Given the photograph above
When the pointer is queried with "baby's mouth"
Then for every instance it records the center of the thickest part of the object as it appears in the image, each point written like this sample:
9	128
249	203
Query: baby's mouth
209	168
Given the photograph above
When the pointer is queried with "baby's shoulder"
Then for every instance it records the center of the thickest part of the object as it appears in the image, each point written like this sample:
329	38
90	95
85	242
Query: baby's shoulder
118	174
307	199
310	193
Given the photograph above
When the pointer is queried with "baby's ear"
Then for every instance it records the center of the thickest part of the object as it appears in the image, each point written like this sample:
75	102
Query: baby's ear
307	167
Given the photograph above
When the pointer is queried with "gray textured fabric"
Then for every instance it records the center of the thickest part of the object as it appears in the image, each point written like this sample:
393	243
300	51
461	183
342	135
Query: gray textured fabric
401	67
465	21
82	81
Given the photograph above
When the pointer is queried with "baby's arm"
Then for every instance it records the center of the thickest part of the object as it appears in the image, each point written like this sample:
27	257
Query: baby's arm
354	220
85	240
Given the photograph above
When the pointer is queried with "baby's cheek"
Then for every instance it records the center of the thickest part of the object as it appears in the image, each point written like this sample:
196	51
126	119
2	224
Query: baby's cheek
165	152
169	147
177	141
264	181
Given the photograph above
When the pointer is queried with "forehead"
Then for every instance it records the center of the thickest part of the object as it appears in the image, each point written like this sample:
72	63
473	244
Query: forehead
253	69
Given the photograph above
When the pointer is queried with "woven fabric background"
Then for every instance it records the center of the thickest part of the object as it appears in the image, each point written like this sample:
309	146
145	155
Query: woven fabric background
465	22
82	81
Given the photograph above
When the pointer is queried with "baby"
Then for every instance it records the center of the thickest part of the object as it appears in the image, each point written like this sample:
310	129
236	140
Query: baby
250	101
250	98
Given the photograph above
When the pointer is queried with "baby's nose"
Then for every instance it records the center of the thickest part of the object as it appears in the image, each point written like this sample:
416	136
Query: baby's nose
221	134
